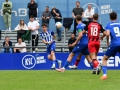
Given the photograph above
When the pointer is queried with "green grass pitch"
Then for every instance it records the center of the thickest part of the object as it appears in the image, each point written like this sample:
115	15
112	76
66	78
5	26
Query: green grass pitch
52	80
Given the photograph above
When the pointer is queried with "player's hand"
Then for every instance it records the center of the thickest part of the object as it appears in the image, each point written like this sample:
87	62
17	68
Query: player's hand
74	44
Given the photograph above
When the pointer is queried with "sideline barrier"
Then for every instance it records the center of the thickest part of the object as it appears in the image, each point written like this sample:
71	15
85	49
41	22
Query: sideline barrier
39	61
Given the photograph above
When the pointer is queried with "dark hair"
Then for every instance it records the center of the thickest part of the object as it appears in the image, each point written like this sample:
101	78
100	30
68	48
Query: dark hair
95	16
47	6
6	37
90	5
19	38
31	16
44	25
79	18
78	2
113	15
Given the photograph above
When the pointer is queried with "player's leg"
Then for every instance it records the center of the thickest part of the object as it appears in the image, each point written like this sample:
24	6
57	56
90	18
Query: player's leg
53	57
110	52
93	54
76	50
76	62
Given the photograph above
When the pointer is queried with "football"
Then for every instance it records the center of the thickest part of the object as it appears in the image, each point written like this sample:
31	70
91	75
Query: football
58	24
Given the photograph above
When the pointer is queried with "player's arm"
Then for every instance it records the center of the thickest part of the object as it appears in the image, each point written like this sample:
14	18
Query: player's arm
53	34
107	36
44	41
80	34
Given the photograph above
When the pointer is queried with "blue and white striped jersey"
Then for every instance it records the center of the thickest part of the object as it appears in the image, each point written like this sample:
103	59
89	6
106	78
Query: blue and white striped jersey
48	36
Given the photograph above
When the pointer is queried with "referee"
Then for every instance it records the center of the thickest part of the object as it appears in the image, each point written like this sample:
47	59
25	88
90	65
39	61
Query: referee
77	11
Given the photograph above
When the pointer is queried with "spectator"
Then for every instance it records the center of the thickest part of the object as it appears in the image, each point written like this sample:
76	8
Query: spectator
34	26
32	6
7	44
58	18
89	12
46	16
7	8
77	11
20	47
71	41
21	27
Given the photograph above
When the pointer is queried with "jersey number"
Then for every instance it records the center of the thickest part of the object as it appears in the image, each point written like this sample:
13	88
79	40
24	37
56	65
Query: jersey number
94	31
117	31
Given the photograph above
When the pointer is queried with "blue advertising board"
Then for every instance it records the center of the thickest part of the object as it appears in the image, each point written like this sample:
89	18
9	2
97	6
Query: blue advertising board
35	61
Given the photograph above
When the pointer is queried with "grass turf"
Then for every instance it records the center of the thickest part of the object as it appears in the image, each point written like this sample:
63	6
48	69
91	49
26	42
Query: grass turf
52	80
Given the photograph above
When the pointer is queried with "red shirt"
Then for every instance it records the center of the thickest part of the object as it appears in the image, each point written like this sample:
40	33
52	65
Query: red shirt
94	29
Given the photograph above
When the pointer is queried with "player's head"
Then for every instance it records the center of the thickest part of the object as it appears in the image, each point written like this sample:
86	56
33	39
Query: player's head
44	27
78	18
72	35
113	16
95	16
31	18
77	4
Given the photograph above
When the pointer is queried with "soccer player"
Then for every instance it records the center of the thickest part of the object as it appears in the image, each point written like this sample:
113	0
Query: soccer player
113	30
81	45
48	39
93	30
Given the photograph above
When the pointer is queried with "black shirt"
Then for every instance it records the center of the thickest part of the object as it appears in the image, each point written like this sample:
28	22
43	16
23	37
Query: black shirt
54	15
71	41
78	11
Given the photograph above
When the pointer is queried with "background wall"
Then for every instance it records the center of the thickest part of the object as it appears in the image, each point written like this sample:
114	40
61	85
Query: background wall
65	6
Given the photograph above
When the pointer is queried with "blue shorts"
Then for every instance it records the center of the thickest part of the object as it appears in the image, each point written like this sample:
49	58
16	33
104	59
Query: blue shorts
81	49
51	48
112	51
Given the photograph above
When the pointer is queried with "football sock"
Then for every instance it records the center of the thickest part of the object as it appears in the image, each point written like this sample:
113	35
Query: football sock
77	62
91	64
95	63
54	61
104	69
66	64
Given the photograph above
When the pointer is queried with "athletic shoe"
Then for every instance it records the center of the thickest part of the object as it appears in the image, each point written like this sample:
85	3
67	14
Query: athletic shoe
53	66
59	63
100	67
94	72
60	70
73	67
103	78
36	49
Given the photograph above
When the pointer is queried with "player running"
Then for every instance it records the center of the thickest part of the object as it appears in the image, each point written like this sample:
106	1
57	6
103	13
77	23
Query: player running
48	39
81	45
93	30
113	30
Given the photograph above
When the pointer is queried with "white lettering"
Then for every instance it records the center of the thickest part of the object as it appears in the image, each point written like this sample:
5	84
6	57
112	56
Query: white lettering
28	61
117	61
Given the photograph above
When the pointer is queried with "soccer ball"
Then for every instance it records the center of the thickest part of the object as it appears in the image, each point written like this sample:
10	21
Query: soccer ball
58	24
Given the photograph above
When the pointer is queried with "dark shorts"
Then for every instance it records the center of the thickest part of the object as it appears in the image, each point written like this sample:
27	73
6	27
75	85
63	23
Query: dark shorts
81	49
51	48
112	51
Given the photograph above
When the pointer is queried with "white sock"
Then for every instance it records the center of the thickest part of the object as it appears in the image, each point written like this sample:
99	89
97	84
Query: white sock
104	74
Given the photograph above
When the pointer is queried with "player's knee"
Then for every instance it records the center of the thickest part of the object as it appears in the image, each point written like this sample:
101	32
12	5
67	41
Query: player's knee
105	58
49	57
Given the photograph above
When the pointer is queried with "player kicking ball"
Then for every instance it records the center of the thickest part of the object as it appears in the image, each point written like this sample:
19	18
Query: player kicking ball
81	45
94	29
48	39
113	30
